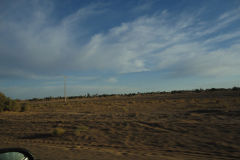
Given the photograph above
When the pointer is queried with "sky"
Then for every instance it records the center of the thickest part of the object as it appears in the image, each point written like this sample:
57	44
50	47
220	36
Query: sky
117	46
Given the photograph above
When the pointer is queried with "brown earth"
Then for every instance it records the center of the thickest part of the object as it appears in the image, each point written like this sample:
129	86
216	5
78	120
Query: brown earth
184	125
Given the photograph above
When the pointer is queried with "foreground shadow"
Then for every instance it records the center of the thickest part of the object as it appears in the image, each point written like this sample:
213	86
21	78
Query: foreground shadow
37	136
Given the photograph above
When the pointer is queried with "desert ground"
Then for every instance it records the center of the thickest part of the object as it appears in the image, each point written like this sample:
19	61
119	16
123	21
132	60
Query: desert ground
168	126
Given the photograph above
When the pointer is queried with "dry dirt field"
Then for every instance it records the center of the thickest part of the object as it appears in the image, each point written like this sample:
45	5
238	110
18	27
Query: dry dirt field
165	126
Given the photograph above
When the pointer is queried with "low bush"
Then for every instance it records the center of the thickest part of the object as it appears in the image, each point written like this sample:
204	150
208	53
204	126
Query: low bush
58	131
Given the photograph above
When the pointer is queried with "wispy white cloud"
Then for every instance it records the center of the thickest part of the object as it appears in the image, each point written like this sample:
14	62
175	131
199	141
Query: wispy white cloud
223	37
230	14
143	6
40	45
112	80
223	21
153	43
76	18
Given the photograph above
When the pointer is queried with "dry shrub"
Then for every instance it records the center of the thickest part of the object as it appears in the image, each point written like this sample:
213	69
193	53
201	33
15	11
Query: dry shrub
193	101
58	131
125	109
132	115
181	101
150	102
25	107
237	100
15	107
217	101
80	129
131	102
205	100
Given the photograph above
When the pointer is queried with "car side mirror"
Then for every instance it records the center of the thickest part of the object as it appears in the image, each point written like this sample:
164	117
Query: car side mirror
15	154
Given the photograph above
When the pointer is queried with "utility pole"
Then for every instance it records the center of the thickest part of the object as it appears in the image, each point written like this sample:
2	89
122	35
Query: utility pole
65	92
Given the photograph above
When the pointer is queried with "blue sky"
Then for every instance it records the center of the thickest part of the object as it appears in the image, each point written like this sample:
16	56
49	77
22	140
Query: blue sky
117	46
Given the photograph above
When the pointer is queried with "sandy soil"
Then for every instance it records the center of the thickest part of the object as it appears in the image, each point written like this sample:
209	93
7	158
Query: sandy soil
185	125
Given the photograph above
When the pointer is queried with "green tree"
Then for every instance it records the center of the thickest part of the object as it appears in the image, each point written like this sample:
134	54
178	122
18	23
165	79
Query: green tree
7	104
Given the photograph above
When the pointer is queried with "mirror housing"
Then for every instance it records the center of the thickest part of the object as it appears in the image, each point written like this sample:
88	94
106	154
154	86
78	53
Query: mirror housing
15	152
